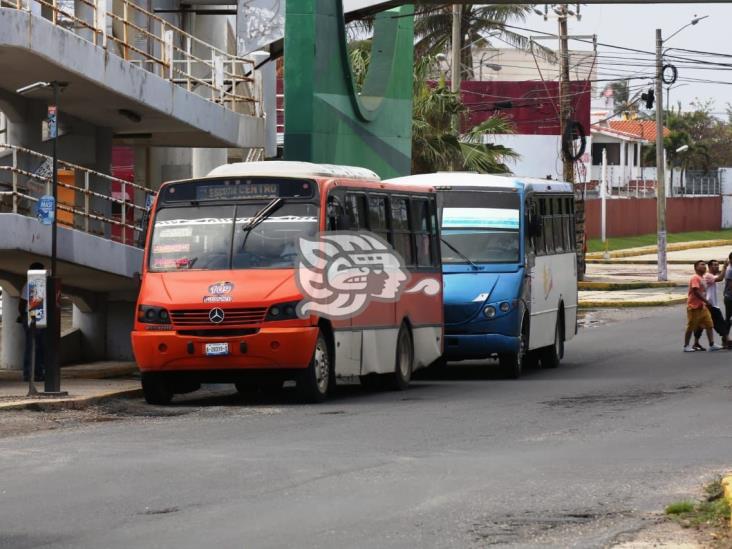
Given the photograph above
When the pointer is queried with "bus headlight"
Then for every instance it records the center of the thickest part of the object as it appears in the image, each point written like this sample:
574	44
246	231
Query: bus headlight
490	311
149	314
505	307
283	311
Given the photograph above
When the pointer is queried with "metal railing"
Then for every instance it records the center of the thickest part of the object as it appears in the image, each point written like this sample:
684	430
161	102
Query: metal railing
149	41
95	203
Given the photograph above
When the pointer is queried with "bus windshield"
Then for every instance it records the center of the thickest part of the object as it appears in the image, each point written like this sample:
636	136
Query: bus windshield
213	237
480	227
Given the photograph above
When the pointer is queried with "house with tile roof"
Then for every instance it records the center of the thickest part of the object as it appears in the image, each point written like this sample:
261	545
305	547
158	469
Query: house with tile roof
625	142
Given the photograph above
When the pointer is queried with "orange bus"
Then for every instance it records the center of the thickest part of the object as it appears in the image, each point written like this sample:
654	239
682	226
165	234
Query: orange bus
228	296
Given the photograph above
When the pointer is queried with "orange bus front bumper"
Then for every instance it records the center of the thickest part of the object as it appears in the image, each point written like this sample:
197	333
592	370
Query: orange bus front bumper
269	348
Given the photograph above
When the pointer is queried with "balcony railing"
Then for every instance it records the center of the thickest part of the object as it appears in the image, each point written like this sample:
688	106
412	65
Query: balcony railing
89	201
129	31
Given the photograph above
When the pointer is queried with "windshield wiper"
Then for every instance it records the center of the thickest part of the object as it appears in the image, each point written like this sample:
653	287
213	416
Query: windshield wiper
260	216
461	254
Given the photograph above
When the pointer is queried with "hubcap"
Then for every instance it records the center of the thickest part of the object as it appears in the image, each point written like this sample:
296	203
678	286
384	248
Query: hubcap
321	367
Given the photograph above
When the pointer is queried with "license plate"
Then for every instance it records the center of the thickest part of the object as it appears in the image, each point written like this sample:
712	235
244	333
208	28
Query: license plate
217	349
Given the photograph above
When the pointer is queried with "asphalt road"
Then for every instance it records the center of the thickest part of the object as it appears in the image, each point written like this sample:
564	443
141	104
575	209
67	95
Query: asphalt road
572	457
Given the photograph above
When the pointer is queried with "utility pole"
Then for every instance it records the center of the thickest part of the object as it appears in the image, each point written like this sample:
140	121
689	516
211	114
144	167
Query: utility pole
565	116
660	175
565	106
456	57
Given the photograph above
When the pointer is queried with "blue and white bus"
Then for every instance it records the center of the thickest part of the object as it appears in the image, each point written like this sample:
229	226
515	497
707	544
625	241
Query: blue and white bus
510	267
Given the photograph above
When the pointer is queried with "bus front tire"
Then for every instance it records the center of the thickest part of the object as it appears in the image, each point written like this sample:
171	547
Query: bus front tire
314	383
156	389
404	360
512	364
551	356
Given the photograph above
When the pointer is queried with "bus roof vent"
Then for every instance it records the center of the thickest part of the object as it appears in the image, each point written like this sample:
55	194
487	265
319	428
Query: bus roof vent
292	169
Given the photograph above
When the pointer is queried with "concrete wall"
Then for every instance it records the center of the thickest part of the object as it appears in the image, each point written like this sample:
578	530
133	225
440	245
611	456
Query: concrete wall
539	154
637	216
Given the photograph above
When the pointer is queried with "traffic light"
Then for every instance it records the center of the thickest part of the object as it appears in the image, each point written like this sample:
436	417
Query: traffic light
649	97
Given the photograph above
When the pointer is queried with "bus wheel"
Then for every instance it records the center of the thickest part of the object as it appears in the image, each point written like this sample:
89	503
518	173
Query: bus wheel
314	382
404	360
552	355
512	364
156	388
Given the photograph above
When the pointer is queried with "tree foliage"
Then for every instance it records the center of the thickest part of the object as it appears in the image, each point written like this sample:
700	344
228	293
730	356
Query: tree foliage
437	145
433	30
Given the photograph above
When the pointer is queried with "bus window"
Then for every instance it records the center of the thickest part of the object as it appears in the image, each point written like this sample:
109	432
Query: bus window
548	223
401	236
191	238
421	228
356	210
273	243
377	216
559	232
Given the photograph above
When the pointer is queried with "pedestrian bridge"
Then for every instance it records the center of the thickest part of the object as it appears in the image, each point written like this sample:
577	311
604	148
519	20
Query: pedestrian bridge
150	81
100	223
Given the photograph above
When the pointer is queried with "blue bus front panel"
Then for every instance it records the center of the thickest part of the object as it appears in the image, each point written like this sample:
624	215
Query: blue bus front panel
483	311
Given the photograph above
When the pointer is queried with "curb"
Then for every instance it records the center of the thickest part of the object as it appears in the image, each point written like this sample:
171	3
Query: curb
727	494
674	247
615	286
630	261
71	403
610	304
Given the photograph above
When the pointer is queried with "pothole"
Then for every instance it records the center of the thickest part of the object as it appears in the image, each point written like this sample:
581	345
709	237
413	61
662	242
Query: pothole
512	529
626	399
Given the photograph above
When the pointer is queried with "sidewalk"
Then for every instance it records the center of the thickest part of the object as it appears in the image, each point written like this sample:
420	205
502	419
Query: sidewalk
631	279
85	384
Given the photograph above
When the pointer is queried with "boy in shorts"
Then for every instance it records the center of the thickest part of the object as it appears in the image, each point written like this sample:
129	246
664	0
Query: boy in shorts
697	309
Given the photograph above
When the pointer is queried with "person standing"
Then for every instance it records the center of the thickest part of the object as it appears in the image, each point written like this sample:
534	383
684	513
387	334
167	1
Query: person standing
714	275
697	309
40	335
728	289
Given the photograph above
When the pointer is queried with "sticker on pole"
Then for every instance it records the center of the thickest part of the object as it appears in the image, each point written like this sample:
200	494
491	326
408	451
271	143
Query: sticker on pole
52	122
46	209
36	298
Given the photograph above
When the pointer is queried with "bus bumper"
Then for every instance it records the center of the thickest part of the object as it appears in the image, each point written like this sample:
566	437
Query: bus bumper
269	348
473	346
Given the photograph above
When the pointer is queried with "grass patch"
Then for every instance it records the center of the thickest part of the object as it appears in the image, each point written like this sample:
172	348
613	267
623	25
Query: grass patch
712	512
622	243
680	507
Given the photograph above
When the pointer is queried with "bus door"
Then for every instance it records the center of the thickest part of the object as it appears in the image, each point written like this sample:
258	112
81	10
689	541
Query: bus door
348	340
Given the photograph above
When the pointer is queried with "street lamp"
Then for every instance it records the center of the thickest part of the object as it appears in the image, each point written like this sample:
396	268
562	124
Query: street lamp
660	175
53	286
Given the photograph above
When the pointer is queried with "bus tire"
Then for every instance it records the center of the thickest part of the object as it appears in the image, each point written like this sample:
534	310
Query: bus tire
156	389
404	360
314	383
512	364
551	356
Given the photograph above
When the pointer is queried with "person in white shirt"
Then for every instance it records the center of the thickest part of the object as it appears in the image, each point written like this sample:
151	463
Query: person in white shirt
714	275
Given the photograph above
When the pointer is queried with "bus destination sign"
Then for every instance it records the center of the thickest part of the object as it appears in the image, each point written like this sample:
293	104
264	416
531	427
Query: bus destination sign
238	192
234	190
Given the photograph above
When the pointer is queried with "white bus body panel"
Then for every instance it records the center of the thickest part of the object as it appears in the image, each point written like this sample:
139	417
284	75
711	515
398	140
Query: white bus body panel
553	281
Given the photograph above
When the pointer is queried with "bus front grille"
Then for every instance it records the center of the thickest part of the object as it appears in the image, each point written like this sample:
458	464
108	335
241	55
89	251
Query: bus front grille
232	317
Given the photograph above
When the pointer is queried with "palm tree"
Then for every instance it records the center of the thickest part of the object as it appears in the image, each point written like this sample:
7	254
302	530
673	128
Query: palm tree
437	145
433	29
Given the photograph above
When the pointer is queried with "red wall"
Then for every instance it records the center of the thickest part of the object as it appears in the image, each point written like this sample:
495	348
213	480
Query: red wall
636	216
534	105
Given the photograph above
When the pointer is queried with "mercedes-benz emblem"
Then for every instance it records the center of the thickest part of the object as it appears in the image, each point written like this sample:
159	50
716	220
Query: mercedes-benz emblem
216	315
